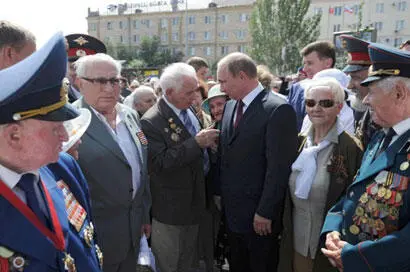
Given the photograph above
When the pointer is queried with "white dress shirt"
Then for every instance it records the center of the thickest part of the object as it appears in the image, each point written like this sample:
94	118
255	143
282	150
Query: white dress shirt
122	136
247	100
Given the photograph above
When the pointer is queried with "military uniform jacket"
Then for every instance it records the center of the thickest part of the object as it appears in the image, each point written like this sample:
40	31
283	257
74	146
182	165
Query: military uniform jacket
365	129
23	239
373	216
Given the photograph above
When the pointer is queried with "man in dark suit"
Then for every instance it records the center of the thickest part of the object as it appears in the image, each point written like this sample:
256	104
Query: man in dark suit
258	145
178	163
113	159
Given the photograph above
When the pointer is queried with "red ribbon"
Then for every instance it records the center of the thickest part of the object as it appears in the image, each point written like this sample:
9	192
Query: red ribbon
56	237
4	264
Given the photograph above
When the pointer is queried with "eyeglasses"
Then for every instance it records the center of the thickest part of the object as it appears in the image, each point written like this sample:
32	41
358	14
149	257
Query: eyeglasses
103	81
325	103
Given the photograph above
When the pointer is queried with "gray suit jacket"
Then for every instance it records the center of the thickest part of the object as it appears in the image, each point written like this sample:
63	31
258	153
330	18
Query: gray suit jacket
118	216
176	168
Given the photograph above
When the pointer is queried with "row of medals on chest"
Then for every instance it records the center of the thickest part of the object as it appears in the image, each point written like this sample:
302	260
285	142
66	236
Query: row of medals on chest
379	205
18	262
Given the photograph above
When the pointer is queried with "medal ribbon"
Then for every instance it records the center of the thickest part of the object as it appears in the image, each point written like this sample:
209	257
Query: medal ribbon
57	238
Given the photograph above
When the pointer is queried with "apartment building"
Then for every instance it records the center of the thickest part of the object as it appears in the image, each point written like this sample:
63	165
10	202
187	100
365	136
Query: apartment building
210	32
390	18
223	27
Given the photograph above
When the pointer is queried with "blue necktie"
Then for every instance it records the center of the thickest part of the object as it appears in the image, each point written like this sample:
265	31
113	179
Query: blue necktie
187	122
192	130
26	184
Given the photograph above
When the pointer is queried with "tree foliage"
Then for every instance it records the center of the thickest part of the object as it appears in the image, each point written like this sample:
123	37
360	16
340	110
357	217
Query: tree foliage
279	29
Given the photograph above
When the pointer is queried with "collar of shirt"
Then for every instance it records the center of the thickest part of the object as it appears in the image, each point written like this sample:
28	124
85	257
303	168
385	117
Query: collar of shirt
247	100
333	134
175	109
400	128
11	178
118	119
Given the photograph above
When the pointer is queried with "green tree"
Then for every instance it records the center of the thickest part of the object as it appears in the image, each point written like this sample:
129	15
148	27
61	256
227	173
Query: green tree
149	50
279	29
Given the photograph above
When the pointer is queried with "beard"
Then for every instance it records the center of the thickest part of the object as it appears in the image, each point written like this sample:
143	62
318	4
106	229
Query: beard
357	104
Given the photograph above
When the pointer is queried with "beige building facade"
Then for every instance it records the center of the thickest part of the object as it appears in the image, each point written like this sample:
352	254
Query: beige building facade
390	18
215	31
210	33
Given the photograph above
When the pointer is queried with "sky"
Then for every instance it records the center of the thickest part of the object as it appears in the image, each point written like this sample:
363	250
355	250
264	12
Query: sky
46	17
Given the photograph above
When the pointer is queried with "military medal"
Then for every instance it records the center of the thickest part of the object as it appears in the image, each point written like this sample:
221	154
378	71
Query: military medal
99	255
354	229
382	192
359	211
404	166
174	137
89	234
381	177
75	212
388	194
364	198
18	263
69	264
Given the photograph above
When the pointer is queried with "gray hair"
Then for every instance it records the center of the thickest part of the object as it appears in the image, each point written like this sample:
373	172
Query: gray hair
86	63
388	83
237	62
134	97
14	35
173	76
332	83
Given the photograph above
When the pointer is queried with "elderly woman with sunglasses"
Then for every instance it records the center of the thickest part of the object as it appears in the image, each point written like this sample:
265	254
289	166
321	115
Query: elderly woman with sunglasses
327	162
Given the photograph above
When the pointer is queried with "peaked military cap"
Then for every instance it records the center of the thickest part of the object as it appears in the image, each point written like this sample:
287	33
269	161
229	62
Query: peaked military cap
80	45
34	88
387	61
359	58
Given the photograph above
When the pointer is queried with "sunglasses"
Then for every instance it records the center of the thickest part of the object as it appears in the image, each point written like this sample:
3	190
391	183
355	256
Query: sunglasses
325	103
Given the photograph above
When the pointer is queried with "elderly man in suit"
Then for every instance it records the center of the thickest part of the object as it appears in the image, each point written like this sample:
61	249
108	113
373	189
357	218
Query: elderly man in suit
368	229
113	159
178	163
257	147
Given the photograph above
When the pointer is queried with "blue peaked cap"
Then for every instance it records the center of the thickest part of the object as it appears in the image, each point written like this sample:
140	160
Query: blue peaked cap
387	61
34	88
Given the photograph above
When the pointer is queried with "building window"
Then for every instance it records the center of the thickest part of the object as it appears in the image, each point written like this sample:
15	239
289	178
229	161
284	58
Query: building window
397	41
92	26
380	8
120	24
338	11
191	20
317	10
402	6
135	24
175	36
243	17
164	23
175	21
240	34
109	25
242	48
207	35
224	19
224	50
164	37
121	39
136	38
146	22
191	36
378	26
208	51
223	35
399	25
208	20
336	28
191	51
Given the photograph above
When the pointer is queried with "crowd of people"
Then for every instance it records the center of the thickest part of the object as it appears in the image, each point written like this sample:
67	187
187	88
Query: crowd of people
182	173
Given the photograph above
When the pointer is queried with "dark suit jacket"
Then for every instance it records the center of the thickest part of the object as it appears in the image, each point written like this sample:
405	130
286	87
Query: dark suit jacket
255	161
118	217
175	167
